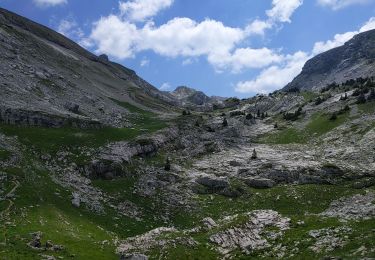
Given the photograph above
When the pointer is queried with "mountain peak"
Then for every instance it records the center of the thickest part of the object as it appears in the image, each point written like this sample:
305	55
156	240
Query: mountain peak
354	59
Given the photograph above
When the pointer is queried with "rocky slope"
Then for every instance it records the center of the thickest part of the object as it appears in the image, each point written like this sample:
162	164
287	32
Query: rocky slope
46	79
352	60
196	100
289	175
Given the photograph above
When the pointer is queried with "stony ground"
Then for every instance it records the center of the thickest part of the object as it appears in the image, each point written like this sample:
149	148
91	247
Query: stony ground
249	189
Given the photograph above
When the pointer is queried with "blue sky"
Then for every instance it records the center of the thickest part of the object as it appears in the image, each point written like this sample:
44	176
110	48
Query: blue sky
222	47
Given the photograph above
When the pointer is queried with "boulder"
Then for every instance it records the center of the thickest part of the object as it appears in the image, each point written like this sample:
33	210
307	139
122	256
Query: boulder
260	183
213	182
134	257
209	223
72	107
103	58
76	200
36	243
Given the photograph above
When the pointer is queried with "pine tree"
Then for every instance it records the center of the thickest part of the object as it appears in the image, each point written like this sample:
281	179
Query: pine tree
372	95
167	165
254	155
361	99
249	116
333	117
225	122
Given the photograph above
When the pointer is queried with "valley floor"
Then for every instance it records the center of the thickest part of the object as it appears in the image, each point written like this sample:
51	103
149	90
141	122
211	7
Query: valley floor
298	199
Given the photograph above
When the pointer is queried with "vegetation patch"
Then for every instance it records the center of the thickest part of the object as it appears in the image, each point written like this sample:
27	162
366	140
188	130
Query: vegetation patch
4	154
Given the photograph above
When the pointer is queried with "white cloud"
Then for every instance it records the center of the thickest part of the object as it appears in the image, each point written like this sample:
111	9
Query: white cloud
115	37
283	9
339	4
165	86
178	37
340	39
70	28
369	25
187	62
243	58
139	10
258	27
46	3
275	77
281	12
145	62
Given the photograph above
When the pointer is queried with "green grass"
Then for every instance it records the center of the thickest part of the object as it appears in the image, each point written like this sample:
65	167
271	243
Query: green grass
4	154
52	140
299	202
307	95
367	108
318	126
285	136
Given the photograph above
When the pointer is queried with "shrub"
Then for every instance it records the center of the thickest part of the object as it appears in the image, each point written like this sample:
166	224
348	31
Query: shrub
361	99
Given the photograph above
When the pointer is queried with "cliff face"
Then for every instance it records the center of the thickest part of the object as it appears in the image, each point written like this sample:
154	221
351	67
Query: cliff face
353	60
44	73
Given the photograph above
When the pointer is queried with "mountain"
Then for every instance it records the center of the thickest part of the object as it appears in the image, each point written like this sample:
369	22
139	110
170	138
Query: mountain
47	79
95	163
352	60
192	98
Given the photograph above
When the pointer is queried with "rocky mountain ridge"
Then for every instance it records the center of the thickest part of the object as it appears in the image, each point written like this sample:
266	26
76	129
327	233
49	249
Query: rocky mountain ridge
93	164
353	60
44	72
194	99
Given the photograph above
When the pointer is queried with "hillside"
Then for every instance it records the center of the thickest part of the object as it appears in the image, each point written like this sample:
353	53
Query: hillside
193	99
353	60
62	83
95	163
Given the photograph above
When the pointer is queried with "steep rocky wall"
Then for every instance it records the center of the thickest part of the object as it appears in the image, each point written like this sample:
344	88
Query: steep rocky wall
35	118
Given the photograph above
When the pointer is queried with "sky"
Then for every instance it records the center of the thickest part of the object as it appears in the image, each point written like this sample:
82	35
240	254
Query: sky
222	47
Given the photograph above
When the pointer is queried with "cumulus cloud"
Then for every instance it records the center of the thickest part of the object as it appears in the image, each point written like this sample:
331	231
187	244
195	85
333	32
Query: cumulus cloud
183	37
46	3
139	10
276	76
144	62
70	28
282	10
245	58
178	37
340	39
165	86
339	4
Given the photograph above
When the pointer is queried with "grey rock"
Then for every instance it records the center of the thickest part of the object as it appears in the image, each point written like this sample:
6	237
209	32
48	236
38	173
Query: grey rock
352	60
76	200
259	183
72	107
134	257
209	223
213	182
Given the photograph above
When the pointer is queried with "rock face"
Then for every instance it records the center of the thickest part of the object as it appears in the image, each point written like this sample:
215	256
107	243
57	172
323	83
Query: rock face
261	183
48	80
194	99
356	207
354	59
248	237
213	182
